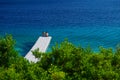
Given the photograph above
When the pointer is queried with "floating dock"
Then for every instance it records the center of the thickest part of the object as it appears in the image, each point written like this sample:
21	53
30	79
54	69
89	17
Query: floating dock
41	44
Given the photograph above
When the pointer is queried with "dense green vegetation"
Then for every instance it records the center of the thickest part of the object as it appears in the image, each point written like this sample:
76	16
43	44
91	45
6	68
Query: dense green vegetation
64	62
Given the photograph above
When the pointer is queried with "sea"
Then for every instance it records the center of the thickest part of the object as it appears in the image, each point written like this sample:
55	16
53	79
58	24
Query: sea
84	23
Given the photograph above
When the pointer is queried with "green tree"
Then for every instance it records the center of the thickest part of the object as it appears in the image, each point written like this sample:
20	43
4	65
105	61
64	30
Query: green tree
8	54
64	62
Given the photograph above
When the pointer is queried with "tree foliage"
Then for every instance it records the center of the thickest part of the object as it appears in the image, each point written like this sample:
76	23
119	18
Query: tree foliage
8	54
64	62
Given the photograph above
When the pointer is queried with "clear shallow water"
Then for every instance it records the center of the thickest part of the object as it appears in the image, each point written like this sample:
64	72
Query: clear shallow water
95	23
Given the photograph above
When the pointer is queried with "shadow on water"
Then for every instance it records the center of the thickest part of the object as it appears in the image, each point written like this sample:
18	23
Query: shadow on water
26	47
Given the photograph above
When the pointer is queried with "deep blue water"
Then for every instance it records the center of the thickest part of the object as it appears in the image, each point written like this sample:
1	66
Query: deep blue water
83	22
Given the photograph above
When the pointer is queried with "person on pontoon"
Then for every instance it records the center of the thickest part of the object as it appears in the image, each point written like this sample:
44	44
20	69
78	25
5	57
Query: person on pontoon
43	34
46	34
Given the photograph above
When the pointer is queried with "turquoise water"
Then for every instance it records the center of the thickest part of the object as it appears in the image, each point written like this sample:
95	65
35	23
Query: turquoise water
95	36
83	22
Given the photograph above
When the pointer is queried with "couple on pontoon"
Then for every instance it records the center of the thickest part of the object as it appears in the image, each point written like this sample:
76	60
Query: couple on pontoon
45	34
